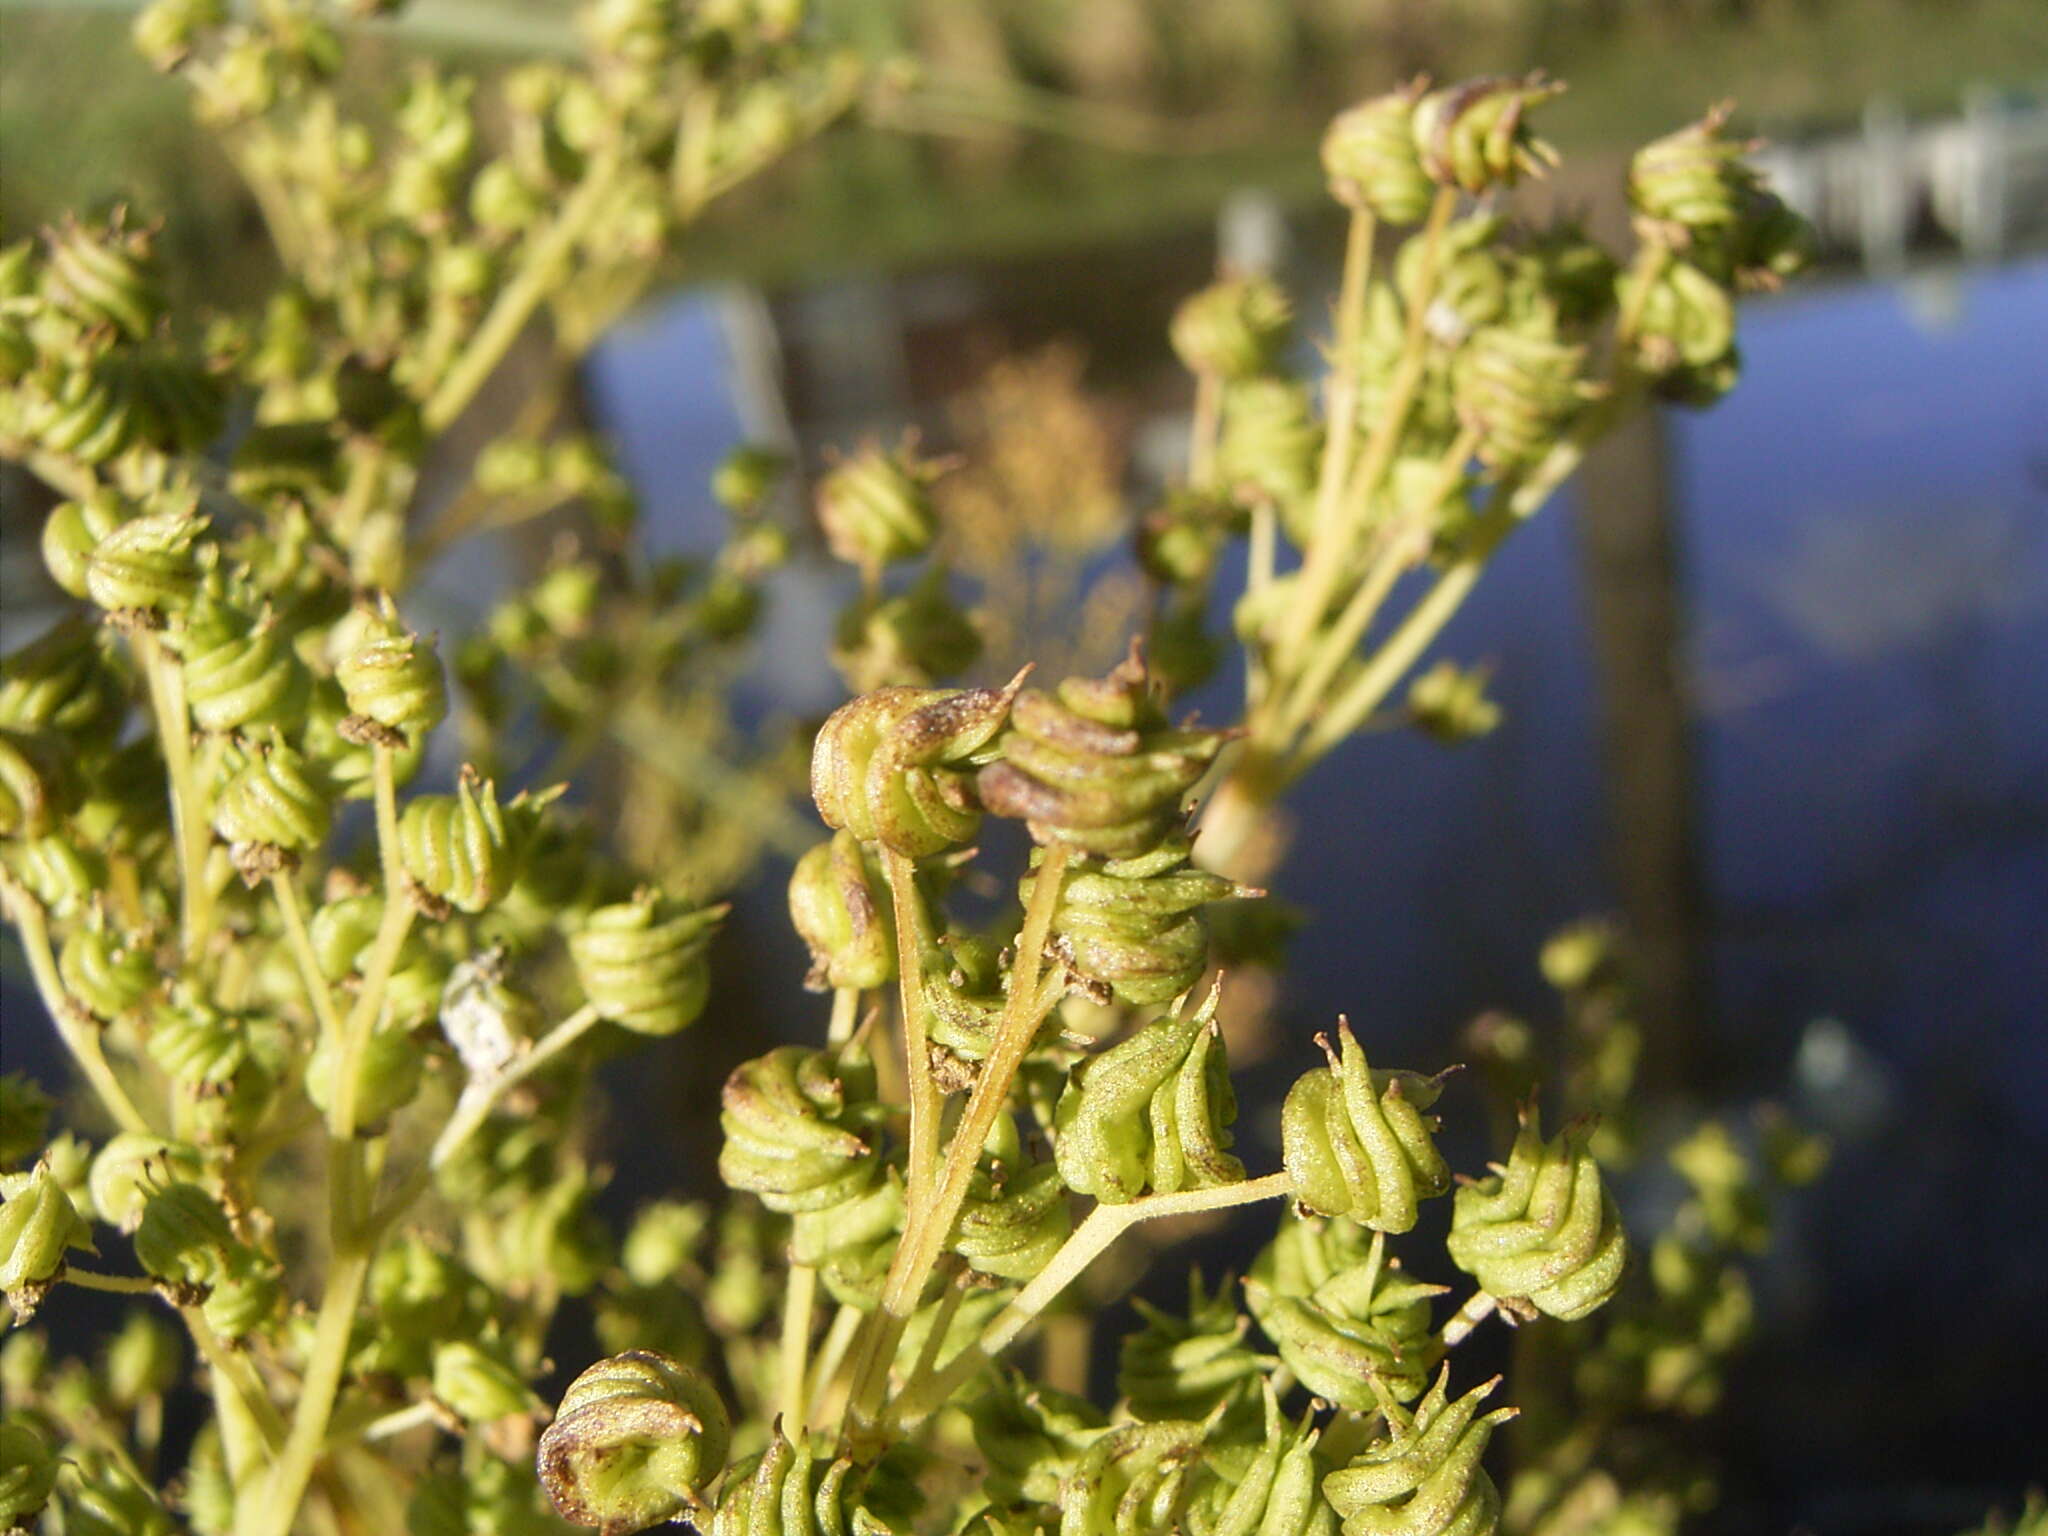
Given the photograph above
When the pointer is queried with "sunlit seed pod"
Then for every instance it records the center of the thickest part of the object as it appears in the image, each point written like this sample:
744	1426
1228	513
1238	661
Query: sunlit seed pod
1235	329
634	1441
1150	1113
245	1297
28	1473
393	677
1015	1216
105	275
1096	766
38	1226
273	801
1685	320
1475	136
141	1361
852	1243
146	565
61	875
346	758
1542	1229
1372	161
454	847
1360	1337
68	679
1423	1477
643	963
908	640
74	530
1186	1366
800	1128
896	766
1277	1494
1694	183
805	1490
1133	1480
1468	277
1133	927
133	1166
105	971
480	1383
88	413
1449	703
1030	1436
1359	1142
876	508
33	784
388	1076
1269	446
841	908
1520	390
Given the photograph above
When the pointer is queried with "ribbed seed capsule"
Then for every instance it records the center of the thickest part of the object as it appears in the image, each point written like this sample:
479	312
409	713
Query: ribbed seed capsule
1371	159
1687	319
1360	1335
1473	136
1015	1216
38	1226
1423	1477
479	1383
1233	329
634	1440
841	907
1695	183
1520	389
63	680
271	811
1134	1480
896	766
1268	447
1095	766
146	566
1278	1493
1542	1229
106	974
132	1167
33	784
393	677
876	507
28	1473
454	847
1357	1142
642	962
909	639
105	276
74	530
1133	927
239	672
1179	1367
797	1490
851	1244
1150	1113
1031	1437
799	1129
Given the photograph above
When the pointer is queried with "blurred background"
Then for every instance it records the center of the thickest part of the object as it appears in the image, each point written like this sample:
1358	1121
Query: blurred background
1772	675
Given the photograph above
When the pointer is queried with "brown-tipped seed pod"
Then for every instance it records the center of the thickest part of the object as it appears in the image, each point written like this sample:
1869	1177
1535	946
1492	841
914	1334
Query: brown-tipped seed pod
1694	184
1133	1480
146	566
271	811
393	677
841	907
454	847
38	1226
876	507
105	276
641	963
1095	765
634	1440
1474	136
1233	329
1371	158
1542	1229
1150	1113
1361	1335
800	1128
896	766
1423	1477
240	672
1520	389
1358	1142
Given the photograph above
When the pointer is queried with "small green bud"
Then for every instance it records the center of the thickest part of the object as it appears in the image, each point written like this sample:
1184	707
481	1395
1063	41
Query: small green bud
840	906
662	1240
635	1439
1234	329
1269	447
132	1167
1473	136
1185	1367
38	1226
642	962
146	566
745	477
388	1075
454	847
479	1383
1371	159
393	677
1423	1477
240	672
1359	1143
894	766
876	507
106	974
271	811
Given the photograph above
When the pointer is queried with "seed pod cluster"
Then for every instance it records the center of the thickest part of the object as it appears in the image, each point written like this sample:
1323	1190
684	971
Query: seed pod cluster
1186	1367
801	1490
896	766
455	848
1278	1493
642	963
1475	135
1423	1477
876	507
1234	329
840	906
1358	1142
634	1441
392	677
1543	1229
1015	1216
1372	160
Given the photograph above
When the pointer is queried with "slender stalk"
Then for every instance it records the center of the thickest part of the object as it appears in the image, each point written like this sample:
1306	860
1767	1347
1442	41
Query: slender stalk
831	1355
385	948
1205	427
1340	409
1087	1243
189	825
234	1368
120	1285
75	1027
1477	1308
318	993
481	1096
399	1420
276	1507
798	1299
925	1102
845	1014
1650	263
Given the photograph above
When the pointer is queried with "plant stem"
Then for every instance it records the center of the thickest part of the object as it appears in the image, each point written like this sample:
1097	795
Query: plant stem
318	994
799	1295
925	1102
478	1099
276	1508
1204	427
75	1027
831	1355
166	680
1103	1226
845	1014
234	1368
120	1285
1478	1307
1340	409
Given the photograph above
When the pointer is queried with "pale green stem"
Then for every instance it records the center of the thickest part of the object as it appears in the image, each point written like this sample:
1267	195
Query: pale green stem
318	994
481	1096
925	1102
399	1420
831	1355
1340	408
189	822
845	1014
119	1285
1204	429
234	1368
1103	1226
275	1508
1478	1307
75	1026
799	1296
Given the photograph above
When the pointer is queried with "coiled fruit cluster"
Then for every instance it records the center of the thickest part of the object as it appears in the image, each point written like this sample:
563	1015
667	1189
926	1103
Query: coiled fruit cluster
1186	1367
801	1129
1152	1112
1372	161
1474	136
1543	1229
642	963
895	766
145	567
1358	1142
1233	329
455	848
1015	1216
240	672
1423	1477
1134	1479
271	811
392	678
841	908
1519	386
803	1490
1279	1493
634	1440
876	507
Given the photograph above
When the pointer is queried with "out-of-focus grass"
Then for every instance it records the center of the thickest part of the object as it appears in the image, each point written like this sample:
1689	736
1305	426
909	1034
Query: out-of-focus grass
83	121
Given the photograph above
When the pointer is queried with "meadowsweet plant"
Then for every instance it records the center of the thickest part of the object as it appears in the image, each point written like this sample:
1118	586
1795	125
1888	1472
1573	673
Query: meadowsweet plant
336	993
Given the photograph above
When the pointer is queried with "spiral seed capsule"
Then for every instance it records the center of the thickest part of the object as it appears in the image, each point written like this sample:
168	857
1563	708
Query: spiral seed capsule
1520	389
840	906
28	1473
271	811
1685	328
876	507
1187	1367
1268	447
1134	1480
1694	184
130	1168
1361	1336
799	1129
454	847
105	276
239	672
38	1226
63	680
1278	1494
1015	1216
909	639
635	1439
1152	1112
799	1490
74	530
1133	927
1234	329
642	963
1371	159
392	677
59	874
1095	766
1358	1142
851	1244
146	567
226	1065
1031	1437
1423	1477
105	973
1542	1230
895	766
1474	136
